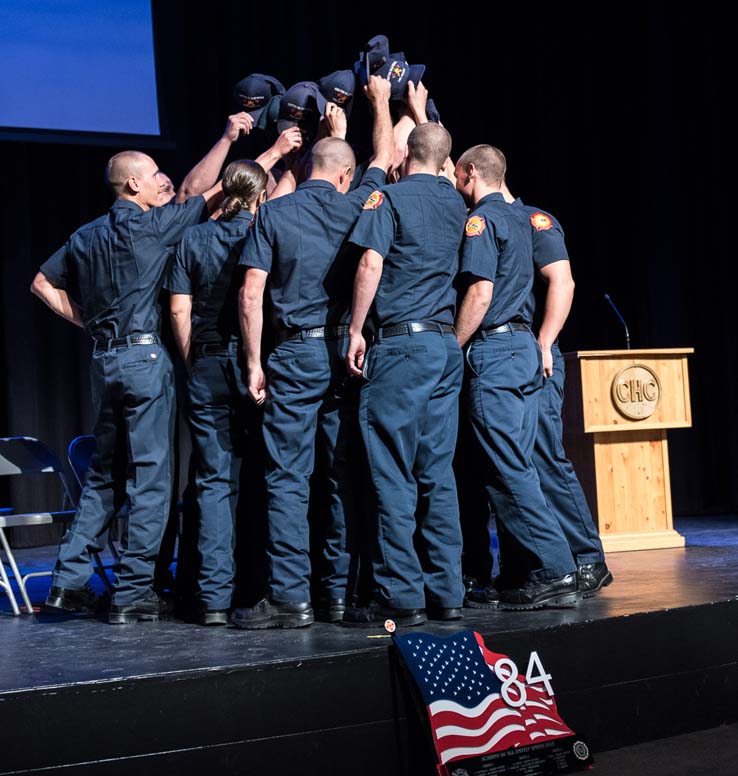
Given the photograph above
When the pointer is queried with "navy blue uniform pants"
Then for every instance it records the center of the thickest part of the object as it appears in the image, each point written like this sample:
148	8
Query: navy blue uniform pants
307	401
218	407
408	414
502	393
133	396
559	481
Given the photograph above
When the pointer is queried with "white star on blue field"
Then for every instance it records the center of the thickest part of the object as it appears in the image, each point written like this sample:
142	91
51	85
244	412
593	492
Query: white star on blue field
451	668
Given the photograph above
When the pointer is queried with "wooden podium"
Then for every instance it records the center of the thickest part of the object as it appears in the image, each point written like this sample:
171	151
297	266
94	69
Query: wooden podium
617	407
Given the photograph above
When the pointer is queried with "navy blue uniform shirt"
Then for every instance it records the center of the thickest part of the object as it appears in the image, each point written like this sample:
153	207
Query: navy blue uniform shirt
498	246
417	226
299	239
204	267
548	248
114	266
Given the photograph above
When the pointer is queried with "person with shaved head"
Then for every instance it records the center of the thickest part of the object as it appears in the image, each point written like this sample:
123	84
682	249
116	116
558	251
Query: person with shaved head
410	233
505	375
297	243
106	279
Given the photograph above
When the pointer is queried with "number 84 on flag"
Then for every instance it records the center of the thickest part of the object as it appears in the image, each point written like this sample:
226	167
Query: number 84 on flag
477	701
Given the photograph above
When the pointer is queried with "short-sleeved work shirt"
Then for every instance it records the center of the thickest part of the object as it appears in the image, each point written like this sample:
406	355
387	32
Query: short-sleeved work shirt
416	225
498	246
205	267
300	240
114	266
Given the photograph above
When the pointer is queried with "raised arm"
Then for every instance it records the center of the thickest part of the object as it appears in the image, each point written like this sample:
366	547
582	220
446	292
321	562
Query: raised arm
559	297
204	175
335	121
288	141
289	178
378	93
57	299
417	99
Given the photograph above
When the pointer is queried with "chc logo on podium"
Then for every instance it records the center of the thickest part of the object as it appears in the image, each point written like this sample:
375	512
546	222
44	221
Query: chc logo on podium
636	391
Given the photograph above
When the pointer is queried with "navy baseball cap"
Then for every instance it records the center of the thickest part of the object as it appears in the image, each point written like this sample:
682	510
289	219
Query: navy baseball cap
376	59
254	92
375	54
302	105
339	88
399	72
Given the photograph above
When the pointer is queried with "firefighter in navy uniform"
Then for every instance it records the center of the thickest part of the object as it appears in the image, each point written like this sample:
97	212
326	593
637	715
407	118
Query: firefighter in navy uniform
204	282
504	382
298	244
106	279
548	306
411	232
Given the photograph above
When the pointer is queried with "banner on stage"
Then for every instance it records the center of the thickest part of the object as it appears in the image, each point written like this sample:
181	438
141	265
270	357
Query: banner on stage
486	718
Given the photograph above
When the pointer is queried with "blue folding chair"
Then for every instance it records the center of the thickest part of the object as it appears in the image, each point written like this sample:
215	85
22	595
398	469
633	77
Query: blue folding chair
24	456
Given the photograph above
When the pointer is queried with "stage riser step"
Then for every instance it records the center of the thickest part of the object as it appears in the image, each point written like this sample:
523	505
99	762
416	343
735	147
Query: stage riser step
618	681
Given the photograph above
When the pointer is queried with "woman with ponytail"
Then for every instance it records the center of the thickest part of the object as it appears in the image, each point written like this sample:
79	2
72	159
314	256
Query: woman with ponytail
203	282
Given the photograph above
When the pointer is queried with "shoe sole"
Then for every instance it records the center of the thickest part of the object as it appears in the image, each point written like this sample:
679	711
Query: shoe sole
480	605
277	621
132	619
566	599
336	616
55	606
400	622
210	620
604	582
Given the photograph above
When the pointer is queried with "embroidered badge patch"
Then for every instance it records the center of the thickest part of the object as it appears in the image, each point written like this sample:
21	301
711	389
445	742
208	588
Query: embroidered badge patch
375	200
540	222
475	226
396	72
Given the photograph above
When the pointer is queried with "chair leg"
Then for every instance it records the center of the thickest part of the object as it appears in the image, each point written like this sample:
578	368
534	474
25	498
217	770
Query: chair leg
16	573
100	571
114	551
5	585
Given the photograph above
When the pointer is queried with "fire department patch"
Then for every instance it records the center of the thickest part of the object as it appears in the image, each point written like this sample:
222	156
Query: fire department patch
475	226
540	222
375	200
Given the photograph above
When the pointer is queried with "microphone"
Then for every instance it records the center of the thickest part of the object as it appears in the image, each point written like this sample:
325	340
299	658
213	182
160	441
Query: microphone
622	320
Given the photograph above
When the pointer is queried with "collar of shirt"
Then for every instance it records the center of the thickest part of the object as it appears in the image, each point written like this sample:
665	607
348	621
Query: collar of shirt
122	204
495	196
316	183
420	176
242	215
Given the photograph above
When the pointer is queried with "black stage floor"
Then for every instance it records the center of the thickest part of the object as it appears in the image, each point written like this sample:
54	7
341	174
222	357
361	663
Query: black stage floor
655	655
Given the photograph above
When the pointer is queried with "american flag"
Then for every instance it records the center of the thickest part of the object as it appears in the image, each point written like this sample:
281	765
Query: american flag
464	697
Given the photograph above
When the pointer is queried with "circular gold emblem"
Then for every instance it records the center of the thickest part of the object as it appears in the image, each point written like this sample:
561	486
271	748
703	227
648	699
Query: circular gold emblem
636	391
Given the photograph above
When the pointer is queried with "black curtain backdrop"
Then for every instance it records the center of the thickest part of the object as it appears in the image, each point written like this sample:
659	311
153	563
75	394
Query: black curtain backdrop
612	116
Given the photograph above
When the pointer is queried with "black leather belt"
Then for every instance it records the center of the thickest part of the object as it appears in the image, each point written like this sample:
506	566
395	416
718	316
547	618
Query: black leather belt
319	332
214	349
506	327
415	327
122	342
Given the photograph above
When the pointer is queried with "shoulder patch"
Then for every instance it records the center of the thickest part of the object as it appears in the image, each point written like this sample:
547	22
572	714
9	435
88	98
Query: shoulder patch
540	222
375	200
475	226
